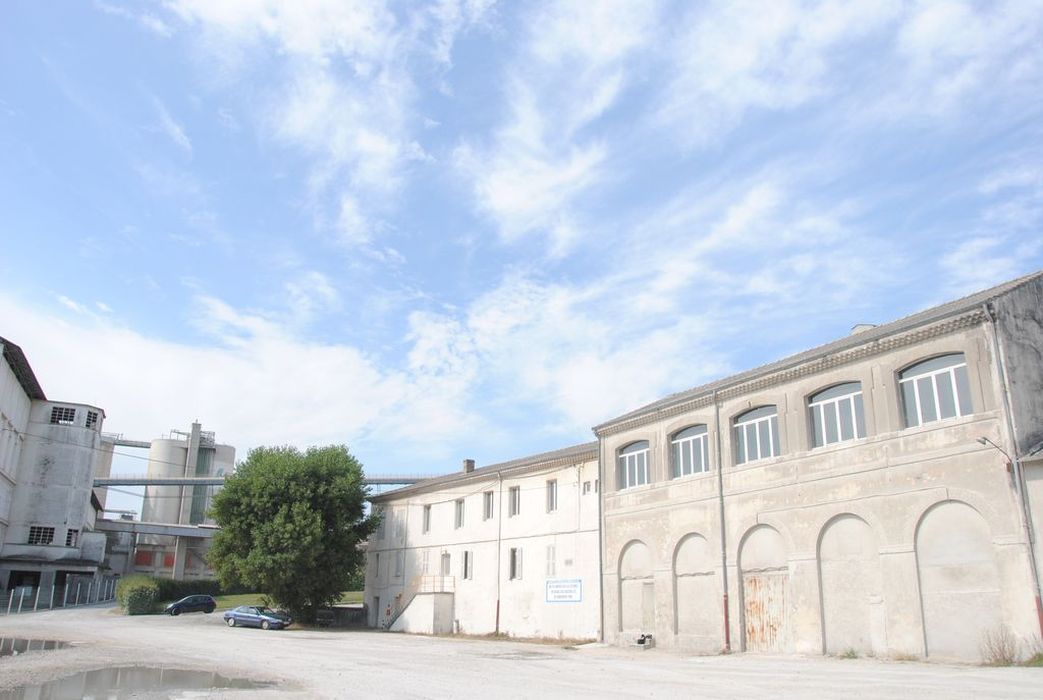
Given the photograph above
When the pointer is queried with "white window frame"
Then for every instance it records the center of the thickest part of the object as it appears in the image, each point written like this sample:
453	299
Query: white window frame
949	373
72	537
92	419
458	513
829	411
488	504
467	565
552	495
513	501
425	561
399	563
692	445
425	524
552	560
446	568
632	464
749	424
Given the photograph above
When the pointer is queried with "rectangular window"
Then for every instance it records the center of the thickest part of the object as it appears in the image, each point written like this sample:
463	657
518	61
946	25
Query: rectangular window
425	562
71	538
398	563
92	419
487	505
514	501
552	560
382	523
515	563
552	495
427	519
41	535
447	564
468	565
459	509
376	565
63	416
586	487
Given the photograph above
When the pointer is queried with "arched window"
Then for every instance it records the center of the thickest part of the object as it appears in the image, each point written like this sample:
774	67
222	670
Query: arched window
836	414
633	464
689	451
935	389
756	434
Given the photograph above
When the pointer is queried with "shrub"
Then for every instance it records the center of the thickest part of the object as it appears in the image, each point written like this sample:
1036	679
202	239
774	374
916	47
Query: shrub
137	595
999	647
849	653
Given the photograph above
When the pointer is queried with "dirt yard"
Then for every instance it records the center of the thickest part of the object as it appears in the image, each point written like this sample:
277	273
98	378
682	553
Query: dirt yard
335	663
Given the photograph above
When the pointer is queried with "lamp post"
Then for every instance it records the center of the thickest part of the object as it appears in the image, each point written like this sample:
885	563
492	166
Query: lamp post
1014	465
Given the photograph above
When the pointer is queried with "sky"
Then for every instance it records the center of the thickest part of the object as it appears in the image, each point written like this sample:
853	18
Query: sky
474	229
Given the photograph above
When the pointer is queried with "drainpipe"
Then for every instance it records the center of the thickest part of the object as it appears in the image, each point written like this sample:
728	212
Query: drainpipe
720	505
1019	479
601	540
499	545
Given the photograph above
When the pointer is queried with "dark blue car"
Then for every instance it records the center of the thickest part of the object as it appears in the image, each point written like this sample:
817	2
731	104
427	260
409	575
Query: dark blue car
257	616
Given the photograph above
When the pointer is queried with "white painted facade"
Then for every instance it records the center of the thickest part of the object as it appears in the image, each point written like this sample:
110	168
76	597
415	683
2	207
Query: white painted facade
905	537
509	549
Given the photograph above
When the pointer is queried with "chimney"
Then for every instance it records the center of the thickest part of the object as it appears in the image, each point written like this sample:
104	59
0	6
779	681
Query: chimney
468	466
860	327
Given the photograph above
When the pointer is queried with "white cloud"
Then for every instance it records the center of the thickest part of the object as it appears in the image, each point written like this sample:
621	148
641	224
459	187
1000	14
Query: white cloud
147	20
344	91
254	384
310	294
570	71
171	128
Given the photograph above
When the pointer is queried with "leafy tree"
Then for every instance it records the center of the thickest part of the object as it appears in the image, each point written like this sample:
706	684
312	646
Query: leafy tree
290	525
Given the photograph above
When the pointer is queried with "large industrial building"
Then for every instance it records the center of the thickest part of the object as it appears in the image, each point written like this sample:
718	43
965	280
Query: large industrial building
50	451
877	495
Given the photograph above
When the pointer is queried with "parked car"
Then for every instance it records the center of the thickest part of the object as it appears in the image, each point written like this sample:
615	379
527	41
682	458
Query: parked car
257	616
192	603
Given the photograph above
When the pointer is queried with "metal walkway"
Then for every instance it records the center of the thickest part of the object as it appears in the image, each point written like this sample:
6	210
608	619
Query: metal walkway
138	480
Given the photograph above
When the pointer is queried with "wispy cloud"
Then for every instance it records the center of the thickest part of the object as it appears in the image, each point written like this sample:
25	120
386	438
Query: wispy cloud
171	128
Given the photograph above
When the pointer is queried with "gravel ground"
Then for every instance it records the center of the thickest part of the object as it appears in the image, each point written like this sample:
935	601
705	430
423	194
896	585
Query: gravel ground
335	664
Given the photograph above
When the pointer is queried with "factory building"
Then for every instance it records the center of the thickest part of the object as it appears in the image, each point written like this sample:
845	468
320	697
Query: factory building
509	549
878	495
50	452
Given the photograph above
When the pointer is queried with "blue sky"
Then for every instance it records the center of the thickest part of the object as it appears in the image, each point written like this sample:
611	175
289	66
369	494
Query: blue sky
474	229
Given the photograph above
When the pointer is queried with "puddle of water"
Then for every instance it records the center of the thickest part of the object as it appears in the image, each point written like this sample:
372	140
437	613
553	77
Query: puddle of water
11	646
131	682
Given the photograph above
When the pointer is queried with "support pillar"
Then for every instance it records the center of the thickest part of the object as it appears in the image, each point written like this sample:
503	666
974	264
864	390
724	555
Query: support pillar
180	554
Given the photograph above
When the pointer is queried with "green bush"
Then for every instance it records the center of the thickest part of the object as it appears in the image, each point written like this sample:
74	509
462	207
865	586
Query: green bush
137	595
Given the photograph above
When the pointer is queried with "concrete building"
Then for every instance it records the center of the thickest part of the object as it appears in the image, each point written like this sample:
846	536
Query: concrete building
876	494
510	548
195	453
50	452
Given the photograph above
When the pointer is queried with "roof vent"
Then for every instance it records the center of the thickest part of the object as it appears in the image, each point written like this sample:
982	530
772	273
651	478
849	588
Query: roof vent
468	466
860	327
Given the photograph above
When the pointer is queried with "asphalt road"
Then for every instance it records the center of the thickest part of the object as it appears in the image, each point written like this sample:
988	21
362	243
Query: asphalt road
339	664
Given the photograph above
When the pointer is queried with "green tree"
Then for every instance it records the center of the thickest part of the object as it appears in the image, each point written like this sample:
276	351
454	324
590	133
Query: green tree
291	523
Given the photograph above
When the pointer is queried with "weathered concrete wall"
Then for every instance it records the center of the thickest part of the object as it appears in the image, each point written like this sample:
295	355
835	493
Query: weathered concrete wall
862	545
428	613
1019	319
14	418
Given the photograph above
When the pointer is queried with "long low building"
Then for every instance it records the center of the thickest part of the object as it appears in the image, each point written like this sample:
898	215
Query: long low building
510	548
878	495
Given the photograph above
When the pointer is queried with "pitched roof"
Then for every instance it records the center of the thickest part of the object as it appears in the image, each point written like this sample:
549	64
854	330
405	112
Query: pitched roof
22	371
514	467
922	318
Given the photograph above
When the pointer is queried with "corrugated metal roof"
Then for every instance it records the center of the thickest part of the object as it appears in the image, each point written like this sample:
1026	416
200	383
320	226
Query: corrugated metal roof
22	371
576	453
922	318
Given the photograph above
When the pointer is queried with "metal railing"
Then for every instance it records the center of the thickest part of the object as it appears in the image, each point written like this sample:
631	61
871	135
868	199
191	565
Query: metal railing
25	599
